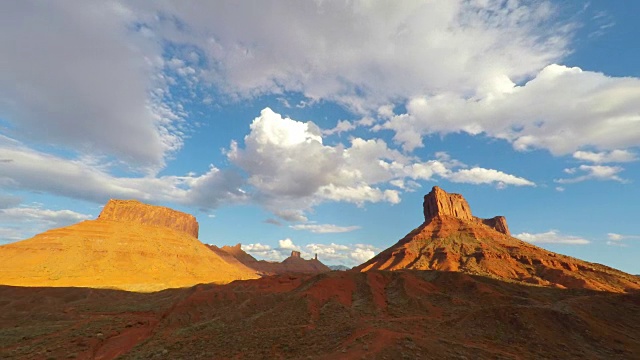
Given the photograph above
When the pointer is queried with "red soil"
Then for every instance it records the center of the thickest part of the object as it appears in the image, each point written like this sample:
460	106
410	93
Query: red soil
339	315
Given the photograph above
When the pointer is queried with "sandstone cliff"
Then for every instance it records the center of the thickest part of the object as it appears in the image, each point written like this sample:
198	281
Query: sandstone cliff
441	203
452	239
133	211
131	246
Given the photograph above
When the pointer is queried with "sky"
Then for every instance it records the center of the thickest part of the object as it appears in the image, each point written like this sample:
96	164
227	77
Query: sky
319	126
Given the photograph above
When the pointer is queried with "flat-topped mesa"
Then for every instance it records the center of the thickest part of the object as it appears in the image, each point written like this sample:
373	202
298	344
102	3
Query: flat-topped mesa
441	203
137	212
295	254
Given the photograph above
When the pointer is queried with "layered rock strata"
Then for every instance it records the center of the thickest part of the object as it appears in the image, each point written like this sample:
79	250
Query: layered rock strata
133	211
452	239
131	246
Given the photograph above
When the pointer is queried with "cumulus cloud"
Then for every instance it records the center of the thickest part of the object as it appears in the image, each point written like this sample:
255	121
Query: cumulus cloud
276	159
552	237
613	156
264	252
21	222
350	255
288	244
562	110
593	172
362	253
287	161
278	153
324	228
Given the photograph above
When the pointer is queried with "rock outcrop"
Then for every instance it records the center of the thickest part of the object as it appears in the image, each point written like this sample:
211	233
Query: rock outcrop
131	246
441	203
498	223
291	265
133	211
438	203
452	239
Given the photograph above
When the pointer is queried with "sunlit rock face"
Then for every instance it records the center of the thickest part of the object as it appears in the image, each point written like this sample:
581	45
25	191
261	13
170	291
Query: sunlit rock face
133	211
452	239
131	246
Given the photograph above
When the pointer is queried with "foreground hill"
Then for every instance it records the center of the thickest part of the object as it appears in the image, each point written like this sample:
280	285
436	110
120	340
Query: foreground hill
452	239
131	246
294	264
404	314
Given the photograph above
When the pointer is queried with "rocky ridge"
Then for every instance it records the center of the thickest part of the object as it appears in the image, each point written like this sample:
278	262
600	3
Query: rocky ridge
131	246
452	239
133	211
293	264
440	203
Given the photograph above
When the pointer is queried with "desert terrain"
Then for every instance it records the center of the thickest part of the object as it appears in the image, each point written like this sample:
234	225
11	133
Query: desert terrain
137	284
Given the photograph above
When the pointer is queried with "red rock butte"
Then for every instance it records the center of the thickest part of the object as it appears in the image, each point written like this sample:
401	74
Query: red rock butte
440	203
133	211
452	239
131	246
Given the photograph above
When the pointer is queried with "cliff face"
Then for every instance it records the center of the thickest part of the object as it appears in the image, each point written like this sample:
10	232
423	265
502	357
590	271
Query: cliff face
499	223
438	202
452	239
441	203
133	211
131	246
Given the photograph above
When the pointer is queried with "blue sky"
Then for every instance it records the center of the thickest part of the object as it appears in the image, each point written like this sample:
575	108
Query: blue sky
319	126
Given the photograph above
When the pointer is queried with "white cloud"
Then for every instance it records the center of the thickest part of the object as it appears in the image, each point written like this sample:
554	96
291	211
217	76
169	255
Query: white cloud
92	85
36	171
264	252
562	110
487	176
288	244
593	172
363	253
350	255
614	156
620	240
365	54
552	237
342	126
292	170
256	247
324	228
277	156
18	223
332	253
